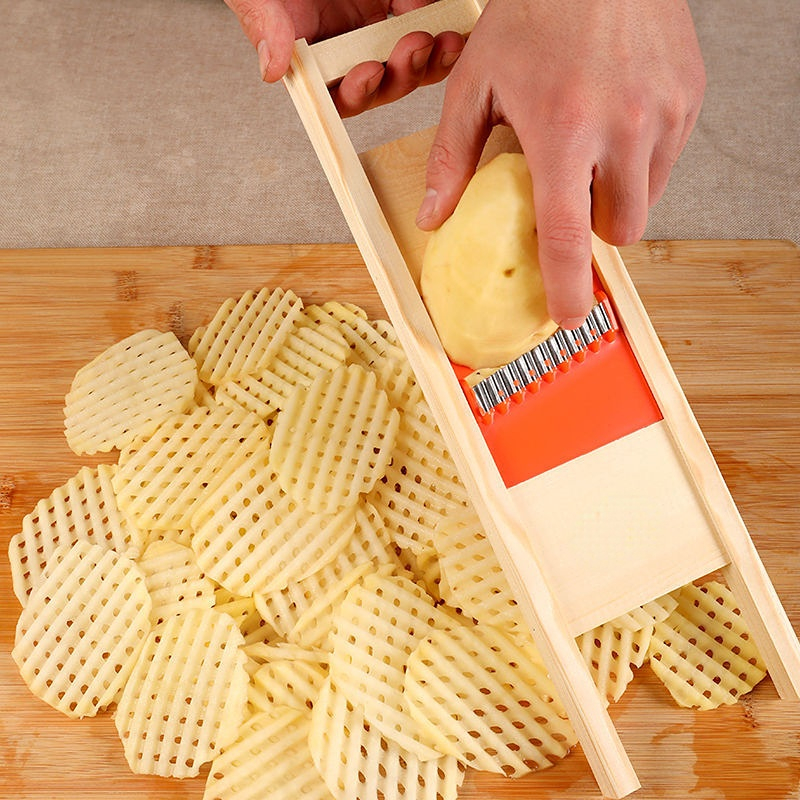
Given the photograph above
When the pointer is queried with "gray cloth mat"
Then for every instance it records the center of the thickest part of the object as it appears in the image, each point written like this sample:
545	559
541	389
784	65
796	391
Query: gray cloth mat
146	123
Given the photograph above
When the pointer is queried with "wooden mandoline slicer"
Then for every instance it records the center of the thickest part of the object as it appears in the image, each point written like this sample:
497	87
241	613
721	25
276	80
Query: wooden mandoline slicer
593	480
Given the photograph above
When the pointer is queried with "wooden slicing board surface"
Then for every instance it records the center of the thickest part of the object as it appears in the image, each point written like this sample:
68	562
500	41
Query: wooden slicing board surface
726	313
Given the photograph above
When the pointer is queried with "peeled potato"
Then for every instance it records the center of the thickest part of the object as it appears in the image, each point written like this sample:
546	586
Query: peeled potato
480	273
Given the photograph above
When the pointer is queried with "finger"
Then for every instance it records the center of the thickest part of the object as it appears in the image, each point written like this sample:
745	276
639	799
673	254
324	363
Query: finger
678	119
358	90
416	60
252	17
666	154
661	163
406	66
447	48
620	198
404	70
464	127
269	27
562	202
402	6
620	180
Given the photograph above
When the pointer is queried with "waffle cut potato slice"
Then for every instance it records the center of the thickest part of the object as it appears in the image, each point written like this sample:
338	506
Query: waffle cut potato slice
314	599
287	682
703	652
334	439
183	537
472	578
368	346
84	508
614	649
266	652
244	613
174	579
487	701
611	652
397	379
161	477
374	345
310	348
244	334
395	374
127	390
252	537
186	696
424	569
78	638
358	763
647	615
421	487
376	628
204	397
270	760
314	625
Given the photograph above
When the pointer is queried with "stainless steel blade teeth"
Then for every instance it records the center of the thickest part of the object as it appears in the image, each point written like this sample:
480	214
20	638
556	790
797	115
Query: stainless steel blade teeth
543	360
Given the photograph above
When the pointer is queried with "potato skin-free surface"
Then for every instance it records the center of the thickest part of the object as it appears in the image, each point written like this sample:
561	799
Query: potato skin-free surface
480	274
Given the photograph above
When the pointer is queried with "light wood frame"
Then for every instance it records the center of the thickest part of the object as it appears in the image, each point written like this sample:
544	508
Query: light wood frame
541	555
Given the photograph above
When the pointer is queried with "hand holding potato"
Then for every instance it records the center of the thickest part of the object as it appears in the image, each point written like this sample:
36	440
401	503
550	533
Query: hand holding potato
602	97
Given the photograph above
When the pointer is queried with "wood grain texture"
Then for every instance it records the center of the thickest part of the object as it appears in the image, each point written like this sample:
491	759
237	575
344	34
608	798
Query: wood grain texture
725	313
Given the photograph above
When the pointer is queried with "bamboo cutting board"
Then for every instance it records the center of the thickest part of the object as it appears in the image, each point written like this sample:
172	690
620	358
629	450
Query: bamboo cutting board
726	313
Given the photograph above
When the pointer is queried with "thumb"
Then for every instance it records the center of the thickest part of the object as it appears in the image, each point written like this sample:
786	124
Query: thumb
270	29
463	129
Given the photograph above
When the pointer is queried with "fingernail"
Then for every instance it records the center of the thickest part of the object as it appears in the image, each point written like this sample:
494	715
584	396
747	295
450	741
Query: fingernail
371	86
448	59
428	207
263	58
570	323
419	58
